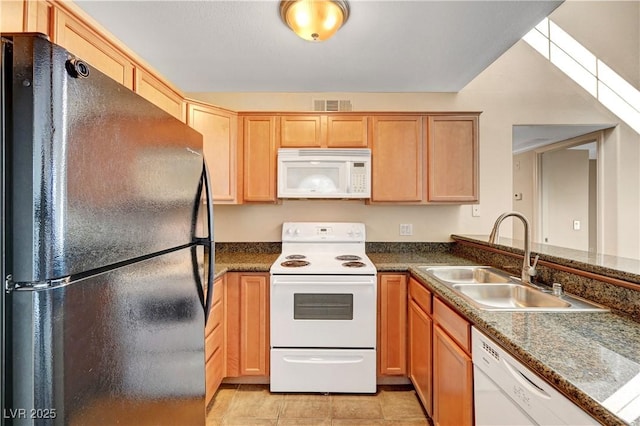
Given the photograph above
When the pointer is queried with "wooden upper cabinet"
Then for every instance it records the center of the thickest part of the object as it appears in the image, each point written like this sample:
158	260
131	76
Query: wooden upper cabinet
300	131
323	131
260	151
348	131
396	145
219	134
452	159
159	94
12	16
80	40
26	16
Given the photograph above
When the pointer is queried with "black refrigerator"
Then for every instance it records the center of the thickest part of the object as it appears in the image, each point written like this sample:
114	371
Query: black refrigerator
106	243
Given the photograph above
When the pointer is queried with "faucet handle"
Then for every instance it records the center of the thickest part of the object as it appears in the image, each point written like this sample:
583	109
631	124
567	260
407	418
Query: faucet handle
532	269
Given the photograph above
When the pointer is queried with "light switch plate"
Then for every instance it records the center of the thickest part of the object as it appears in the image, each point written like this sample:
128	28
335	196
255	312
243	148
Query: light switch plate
406	229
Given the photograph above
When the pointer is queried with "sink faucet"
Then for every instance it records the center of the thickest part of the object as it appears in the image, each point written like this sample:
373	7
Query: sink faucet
528	270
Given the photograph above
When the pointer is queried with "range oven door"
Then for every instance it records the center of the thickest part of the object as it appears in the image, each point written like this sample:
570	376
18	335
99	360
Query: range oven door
323	311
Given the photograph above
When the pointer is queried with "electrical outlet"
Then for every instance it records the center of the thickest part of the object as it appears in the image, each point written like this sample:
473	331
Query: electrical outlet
475	210
406	229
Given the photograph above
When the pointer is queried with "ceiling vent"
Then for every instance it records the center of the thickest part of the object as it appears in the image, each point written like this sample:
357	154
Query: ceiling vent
331	105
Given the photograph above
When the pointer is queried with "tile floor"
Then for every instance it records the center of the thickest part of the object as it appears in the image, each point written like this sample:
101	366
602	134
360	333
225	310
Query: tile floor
248	405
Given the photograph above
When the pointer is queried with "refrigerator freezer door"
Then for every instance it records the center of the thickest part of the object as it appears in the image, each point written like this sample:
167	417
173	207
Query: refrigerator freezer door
122	347
99	174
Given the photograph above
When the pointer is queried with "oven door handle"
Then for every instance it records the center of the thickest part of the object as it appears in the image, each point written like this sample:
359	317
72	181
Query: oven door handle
323	359
322	283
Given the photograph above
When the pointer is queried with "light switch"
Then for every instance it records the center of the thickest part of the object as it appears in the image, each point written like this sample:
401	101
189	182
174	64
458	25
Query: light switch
576	225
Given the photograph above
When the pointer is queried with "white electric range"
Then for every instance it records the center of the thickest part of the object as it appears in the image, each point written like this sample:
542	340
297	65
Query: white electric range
323	310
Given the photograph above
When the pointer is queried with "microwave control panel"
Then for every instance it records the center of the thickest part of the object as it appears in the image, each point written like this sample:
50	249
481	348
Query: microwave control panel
358	177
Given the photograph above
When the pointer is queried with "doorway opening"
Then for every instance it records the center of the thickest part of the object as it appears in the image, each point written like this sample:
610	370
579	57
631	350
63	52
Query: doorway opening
568	195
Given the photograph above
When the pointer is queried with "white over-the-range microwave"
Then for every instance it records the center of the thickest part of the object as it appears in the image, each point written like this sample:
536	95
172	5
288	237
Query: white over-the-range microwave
324	173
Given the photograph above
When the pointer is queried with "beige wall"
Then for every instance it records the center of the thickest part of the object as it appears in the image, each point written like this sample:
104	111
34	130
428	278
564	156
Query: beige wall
523	183
519	88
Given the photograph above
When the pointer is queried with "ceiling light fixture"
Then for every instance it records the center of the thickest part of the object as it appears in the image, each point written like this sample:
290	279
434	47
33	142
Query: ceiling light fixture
314	20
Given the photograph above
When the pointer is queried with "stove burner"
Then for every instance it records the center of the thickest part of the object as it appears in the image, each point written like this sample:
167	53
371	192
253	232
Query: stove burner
354	264
348	257
294	263
296	257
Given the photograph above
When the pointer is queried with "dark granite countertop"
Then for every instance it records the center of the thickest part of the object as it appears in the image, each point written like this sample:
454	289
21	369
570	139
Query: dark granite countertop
243	262
587	356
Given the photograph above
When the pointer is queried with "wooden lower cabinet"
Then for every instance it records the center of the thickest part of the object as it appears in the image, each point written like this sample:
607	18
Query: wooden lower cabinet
214	342
247	303
392	325
452	369
420	343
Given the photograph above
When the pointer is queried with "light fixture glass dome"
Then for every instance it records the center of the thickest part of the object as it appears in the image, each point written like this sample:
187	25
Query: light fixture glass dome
314	20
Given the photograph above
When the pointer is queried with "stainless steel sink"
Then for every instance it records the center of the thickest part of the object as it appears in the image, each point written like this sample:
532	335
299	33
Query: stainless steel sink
510	296
491	289
475	274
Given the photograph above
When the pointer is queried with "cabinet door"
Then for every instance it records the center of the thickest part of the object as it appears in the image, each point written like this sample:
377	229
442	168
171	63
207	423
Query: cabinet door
420	346
392	324
396	158
452	157
12	16
159	94
80	40
452	382
218	128
254	325
260	150
347	131
300	131
34	16
247	324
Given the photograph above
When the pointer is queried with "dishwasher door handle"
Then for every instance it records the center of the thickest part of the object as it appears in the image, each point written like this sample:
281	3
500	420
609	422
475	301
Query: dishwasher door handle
525	381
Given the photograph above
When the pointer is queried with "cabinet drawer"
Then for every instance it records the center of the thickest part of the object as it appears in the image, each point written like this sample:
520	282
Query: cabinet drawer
216	314
213	341
217	291
456	326
214	371
420	295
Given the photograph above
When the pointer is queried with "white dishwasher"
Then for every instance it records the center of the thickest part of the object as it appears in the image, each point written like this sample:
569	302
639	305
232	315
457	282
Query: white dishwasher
508	393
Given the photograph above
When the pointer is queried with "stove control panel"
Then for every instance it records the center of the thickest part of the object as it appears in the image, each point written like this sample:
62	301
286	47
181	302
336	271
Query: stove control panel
313	231
324	230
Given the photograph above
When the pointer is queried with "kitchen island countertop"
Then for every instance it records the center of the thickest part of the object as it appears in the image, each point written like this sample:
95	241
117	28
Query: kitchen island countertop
587	356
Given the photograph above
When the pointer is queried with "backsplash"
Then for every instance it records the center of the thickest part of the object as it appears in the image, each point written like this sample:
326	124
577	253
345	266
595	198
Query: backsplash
407	247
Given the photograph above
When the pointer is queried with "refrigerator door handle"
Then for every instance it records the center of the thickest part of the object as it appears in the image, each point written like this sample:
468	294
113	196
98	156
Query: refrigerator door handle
208	241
